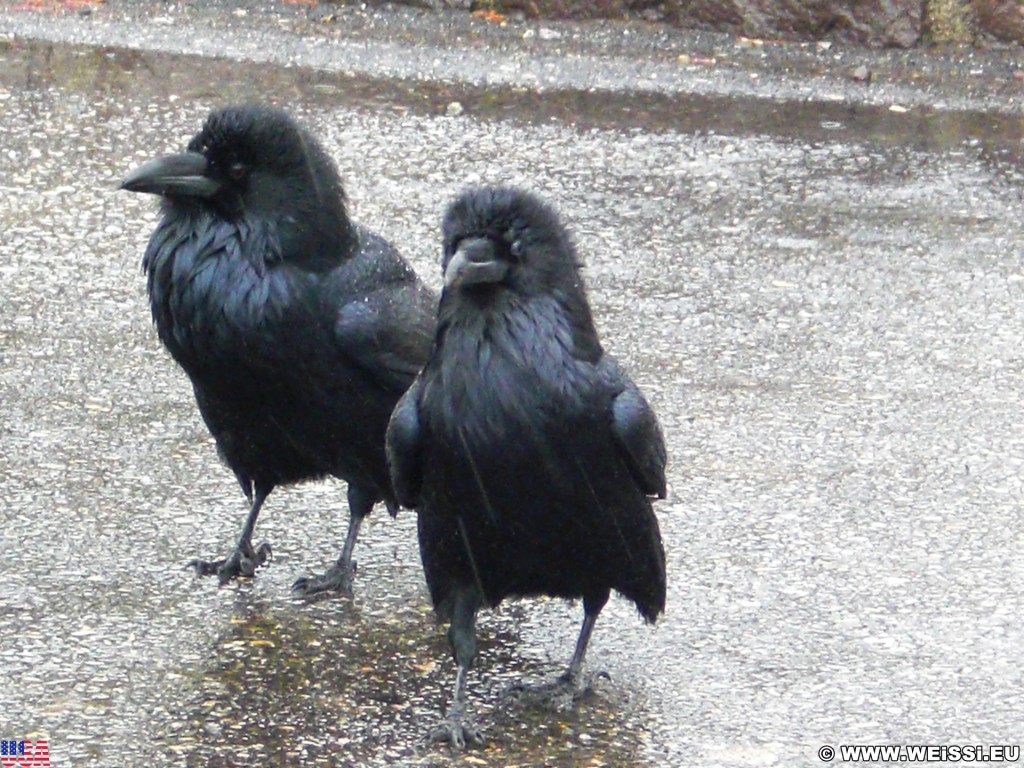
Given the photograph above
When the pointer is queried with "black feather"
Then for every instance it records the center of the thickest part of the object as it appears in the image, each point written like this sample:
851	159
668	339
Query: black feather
299	329
542	452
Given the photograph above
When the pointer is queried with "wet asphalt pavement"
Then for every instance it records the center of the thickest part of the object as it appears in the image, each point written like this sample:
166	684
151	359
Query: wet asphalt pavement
820	295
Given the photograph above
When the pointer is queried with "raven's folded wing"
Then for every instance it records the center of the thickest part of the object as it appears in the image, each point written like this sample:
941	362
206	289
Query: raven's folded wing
637	433
384	316
402	445
388	333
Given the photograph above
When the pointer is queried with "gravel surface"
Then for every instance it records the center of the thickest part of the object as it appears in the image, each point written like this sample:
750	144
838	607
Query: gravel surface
401	42
821	299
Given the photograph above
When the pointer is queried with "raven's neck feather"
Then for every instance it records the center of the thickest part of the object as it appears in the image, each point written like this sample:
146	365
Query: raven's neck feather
522	322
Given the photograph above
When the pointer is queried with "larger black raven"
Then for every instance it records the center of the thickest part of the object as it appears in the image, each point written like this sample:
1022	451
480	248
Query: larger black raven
298	328
527	451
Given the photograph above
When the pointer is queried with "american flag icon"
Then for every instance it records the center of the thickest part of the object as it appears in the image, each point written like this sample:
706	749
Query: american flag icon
20	753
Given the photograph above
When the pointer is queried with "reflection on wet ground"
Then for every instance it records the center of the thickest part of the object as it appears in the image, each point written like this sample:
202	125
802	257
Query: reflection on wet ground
822	302
28	64
348	687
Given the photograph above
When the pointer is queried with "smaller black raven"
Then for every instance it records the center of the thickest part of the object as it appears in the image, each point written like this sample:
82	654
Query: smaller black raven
527	451
298	328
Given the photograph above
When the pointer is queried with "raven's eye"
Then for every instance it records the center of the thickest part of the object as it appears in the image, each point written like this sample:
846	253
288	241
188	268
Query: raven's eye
516	249
237	171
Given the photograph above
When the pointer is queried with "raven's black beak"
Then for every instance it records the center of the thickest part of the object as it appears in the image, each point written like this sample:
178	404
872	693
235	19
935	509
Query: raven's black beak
181	175
475	261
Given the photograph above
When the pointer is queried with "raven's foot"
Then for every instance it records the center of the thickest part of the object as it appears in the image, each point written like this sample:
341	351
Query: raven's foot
457	729
560	694
338	579
241	563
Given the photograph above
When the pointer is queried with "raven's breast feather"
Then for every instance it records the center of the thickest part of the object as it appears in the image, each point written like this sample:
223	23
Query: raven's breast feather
210	292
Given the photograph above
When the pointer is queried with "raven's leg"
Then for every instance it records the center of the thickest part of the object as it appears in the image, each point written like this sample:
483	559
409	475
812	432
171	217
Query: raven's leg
339	577
571	685
458	727
245	559
572	674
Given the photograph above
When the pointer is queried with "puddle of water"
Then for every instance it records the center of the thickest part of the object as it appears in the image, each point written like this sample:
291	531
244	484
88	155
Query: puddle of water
29	64
329	684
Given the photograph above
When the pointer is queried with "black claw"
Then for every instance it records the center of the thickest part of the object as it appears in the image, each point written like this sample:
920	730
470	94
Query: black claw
560	694
244	564
456	731
238	564
338	579
457	728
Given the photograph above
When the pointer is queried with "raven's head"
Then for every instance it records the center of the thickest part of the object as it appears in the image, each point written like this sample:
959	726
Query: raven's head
253	162
503	238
